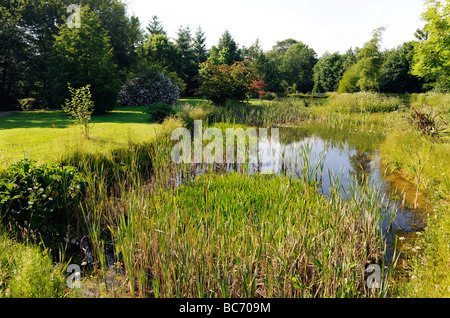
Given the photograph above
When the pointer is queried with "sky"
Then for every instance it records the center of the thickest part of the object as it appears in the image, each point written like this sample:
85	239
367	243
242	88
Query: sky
324	25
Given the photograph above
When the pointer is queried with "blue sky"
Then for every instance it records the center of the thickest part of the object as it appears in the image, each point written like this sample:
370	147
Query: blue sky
324	25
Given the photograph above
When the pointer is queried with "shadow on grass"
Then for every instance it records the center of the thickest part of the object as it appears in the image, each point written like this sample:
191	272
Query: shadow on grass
57	118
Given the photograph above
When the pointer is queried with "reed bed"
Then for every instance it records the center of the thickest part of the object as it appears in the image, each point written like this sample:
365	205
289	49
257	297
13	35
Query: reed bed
239	235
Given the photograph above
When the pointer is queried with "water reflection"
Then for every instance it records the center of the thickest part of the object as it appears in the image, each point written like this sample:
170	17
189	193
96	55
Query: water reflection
306	155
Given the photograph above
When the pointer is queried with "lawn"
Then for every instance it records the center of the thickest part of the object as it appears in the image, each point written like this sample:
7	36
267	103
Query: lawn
49	135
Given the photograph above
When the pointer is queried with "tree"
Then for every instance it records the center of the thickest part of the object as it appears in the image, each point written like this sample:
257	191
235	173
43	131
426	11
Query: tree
395	75
199	47
349	81
228	44
189	67
83	56
364	74
158	53
80	107
220	83
370	60
27	35
432	53
328	72
297	67
155	27
124	32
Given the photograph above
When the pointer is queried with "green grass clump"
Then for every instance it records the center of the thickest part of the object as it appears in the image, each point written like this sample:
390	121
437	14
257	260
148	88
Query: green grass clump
363	102
28	272
239	236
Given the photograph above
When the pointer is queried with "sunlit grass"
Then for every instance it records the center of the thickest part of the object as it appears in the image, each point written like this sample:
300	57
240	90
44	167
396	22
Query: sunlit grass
49	136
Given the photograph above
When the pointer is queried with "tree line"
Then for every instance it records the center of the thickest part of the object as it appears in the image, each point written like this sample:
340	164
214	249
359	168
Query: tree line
40	56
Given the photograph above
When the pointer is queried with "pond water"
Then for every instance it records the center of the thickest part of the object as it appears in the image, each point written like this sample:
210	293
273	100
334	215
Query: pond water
352	159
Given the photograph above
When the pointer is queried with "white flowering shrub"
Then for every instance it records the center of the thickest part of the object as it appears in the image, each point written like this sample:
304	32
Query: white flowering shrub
152	89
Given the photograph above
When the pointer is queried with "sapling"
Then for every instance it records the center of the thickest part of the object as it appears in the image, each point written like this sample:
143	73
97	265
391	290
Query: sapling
80	107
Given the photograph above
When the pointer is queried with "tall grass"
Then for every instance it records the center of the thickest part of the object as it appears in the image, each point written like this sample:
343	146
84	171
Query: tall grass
237	235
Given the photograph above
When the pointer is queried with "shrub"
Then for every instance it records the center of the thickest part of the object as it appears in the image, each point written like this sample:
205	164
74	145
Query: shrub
220	83
428	122
37	197
158	112
189	114
150	89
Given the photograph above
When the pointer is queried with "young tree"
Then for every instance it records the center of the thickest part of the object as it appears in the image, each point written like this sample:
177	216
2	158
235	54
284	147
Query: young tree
83	56
432	53
80	107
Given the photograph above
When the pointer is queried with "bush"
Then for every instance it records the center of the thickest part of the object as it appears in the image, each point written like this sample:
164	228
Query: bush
158	112
221	83
37	197
150	89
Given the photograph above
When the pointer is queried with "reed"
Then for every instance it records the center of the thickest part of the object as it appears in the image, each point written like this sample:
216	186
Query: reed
239	235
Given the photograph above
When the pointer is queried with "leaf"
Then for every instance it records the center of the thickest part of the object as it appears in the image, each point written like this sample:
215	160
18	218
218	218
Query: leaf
317	263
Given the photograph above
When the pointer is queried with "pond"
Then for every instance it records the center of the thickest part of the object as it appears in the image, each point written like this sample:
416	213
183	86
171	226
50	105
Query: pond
354	159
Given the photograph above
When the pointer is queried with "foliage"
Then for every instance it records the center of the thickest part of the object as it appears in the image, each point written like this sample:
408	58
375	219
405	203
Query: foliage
38	198
80	106
328	72
229	48
296	67
363	76
260	88
349	81
428	122
220	83
158	51
83	56
370	61
432	53
158	112
27	271
150	89
395	74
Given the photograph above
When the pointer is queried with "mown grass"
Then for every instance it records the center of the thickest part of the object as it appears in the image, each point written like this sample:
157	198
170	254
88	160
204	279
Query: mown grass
49	135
